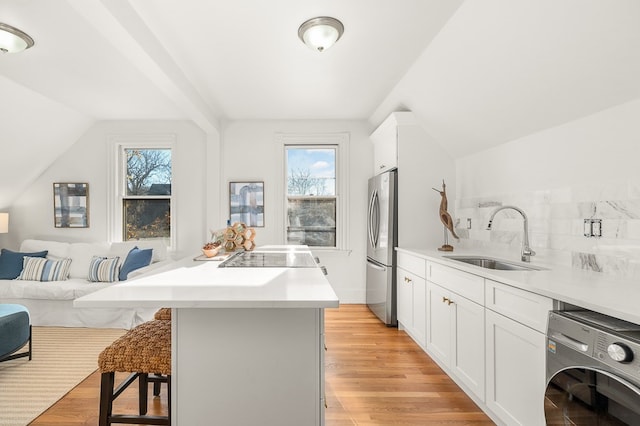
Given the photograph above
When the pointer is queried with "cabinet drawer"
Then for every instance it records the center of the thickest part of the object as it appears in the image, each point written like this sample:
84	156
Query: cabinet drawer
413	264
467	285
520	305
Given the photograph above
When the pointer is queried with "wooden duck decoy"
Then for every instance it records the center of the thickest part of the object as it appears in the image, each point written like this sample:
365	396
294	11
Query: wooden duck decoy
445	217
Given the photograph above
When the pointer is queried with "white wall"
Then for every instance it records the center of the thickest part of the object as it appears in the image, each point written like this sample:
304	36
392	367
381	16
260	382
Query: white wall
251	153
201	187
86	161
584	169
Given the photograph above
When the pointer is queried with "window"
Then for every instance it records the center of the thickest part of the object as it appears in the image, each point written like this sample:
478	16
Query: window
146	204
311	195
143	208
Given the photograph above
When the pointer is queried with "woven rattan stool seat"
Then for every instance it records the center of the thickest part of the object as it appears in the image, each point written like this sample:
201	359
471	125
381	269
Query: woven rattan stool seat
163	314
144	349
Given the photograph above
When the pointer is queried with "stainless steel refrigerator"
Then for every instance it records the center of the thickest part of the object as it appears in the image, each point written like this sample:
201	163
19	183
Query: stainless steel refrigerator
382	231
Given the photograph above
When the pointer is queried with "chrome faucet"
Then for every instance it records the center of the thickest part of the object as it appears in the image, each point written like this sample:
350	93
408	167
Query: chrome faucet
527	252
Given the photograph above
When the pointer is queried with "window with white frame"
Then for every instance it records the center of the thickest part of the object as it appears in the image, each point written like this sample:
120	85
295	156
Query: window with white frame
144	176
314	191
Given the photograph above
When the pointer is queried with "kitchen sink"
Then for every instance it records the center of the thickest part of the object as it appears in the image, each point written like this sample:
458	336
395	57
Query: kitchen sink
489	263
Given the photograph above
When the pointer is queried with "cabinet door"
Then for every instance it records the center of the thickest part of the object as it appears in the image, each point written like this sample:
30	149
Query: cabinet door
515	368
468	359
439	327
404	297
385	151
420	311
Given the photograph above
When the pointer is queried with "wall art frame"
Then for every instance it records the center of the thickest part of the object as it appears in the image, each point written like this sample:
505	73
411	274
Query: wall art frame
71	205
246	203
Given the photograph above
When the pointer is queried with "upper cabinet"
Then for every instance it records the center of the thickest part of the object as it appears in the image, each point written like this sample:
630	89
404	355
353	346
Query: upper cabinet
401	142
385	141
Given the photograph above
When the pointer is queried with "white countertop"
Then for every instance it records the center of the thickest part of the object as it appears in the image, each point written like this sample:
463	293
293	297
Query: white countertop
201	284
618	298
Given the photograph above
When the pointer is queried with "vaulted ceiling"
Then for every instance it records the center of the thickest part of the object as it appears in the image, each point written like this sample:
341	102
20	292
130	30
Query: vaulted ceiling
476	73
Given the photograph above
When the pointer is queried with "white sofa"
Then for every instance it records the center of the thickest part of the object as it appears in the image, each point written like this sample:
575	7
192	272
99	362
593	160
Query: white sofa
50	303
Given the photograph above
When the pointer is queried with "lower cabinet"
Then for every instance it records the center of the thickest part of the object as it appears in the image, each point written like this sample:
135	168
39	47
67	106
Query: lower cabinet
515	371
411	297
455	336
488	336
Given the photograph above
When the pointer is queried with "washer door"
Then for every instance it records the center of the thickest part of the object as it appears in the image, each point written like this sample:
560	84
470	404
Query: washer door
585	396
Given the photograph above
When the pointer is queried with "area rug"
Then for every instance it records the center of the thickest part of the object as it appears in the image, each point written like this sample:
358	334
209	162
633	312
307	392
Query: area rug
62	358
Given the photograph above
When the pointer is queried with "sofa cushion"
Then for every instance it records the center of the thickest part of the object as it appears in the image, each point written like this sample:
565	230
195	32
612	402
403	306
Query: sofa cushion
103	269
123	248
39	269
54	248
136	259
11	262
81	255
42	290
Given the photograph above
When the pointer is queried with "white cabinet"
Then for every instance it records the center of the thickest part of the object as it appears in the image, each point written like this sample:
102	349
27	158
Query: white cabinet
516	344
411	296
385	151
401	142
439	324
455	336
488	336
515	371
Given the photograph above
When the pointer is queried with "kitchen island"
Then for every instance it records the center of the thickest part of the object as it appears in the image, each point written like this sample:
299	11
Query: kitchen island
247	343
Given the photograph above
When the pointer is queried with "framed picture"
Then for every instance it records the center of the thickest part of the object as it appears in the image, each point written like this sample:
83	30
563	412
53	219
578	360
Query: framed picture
246	203
71	205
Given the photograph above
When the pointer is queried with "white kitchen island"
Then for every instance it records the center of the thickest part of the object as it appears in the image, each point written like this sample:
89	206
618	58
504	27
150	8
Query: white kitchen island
247	343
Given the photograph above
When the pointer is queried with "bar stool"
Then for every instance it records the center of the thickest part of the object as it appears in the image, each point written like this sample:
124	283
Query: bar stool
144	350
165	315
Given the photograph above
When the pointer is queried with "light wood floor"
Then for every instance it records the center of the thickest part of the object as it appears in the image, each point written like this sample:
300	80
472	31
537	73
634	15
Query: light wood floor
375	375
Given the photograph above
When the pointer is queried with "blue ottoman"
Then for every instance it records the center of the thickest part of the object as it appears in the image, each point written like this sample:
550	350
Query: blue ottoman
15	331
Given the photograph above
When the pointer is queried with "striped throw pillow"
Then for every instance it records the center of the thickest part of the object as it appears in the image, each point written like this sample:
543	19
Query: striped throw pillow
103	269
41	269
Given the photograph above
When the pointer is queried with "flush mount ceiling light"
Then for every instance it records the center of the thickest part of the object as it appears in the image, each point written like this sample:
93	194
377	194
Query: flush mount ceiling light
320	33
13	40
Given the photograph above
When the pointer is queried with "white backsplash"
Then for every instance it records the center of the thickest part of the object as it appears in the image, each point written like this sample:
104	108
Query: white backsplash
556	225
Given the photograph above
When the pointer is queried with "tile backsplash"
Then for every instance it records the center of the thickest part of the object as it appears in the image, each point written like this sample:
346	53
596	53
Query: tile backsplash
556	225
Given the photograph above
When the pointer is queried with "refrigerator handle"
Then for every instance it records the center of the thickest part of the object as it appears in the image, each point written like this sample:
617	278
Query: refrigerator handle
370	221
376	218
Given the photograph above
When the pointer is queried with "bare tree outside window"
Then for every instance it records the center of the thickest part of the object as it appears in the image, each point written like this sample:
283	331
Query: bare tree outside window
147	203
146	168
302	182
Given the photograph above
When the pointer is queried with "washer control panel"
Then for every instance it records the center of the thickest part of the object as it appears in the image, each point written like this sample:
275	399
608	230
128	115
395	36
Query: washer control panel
618	352
613	342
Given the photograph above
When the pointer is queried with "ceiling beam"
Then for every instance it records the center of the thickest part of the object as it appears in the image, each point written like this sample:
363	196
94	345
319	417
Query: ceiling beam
119	23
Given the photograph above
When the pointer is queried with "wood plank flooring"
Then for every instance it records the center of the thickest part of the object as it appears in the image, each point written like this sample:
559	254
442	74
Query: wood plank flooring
375	375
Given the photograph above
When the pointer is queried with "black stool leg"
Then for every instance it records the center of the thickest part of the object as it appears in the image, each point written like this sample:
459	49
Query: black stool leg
143	392
106	398
156	386
169	397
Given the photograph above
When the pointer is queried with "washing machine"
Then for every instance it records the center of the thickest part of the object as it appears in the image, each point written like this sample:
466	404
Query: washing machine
592	370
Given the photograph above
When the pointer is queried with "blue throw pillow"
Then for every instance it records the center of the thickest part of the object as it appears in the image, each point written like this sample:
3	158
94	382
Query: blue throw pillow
136	259
11	262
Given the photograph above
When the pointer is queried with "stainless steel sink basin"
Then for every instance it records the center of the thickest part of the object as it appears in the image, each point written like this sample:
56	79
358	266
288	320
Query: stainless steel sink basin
489	263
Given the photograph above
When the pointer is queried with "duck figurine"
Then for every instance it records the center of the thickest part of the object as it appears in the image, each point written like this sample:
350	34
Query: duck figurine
446	218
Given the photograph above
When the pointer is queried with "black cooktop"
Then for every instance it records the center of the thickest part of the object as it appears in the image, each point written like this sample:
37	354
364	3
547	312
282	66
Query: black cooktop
249	259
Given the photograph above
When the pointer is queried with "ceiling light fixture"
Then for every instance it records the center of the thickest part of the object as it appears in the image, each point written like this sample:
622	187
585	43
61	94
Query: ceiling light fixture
13	40
320	33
